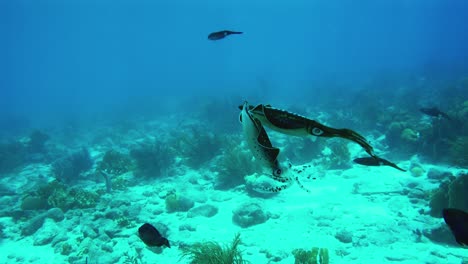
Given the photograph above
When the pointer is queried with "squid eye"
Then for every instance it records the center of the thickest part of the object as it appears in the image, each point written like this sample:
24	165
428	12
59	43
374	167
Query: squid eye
277	172
317	131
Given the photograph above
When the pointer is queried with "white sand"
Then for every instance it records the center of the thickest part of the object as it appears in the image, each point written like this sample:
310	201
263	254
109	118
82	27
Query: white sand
363	201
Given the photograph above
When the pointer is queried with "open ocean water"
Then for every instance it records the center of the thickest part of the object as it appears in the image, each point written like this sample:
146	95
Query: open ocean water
233	131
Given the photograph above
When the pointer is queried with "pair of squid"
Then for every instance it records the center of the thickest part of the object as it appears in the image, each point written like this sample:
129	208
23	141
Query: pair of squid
253	118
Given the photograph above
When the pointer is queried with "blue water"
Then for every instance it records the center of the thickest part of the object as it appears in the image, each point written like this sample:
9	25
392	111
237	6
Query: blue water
76	57
128	106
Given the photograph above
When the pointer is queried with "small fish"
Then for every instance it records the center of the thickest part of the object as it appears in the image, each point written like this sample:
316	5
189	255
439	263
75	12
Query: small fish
151	236
434	111
221	34
457	220
376	161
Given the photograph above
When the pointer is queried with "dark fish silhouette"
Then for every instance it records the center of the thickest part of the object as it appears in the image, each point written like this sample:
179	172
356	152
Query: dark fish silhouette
151	236
221	34
376	161
457	220
434	111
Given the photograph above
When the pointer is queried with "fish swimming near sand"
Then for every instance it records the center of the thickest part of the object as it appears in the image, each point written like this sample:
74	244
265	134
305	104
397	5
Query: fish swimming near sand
151	236
376	161
457	220
222	34
434	112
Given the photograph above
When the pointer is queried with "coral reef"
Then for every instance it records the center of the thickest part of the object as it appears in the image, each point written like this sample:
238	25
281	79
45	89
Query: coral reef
445	140
82	199
213	253
196	145
124	222
450	194
57	195
301	150
35	223
458	151
114	163
409	135
152	159
12	156
111	167
416	169
394	131
2	233
234	164
31	202
119	183
336	155
314	256
37	141
69	168
460	112
403	136
178	203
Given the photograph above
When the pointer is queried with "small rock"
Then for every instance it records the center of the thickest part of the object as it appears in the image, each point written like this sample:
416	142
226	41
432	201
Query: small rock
111	230
89	232
249	214
344	236
412	184
33	224
396	258
103	238
187	227
61	237
106	228
178	203
76	259
342	252
185	203
135	209
417	171
36	222
416	193
46	234
440	235
206	210
56	214
112	214
435	174
107	247
117	203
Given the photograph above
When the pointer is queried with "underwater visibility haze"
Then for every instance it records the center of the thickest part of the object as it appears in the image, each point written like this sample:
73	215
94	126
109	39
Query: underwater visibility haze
233	131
